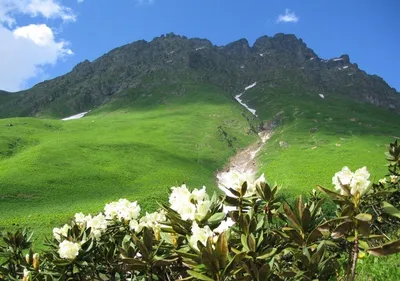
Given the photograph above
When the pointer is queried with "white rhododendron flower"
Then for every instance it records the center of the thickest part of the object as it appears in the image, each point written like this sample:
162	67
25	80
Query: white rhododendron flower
98	225
179	195
224	226
187	211
343	177
123	210
134	225
357	182
189	205
59	233
360	182
200	234
80	218
383	181
235	179
393	178
153	221
202	209
68	250
198	195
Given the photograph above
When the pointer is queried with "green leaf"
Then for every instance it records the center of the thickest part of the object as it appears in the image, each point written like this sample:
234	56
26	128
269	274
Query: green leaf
270	252
216	218
342	229
244	188
390	209
264	273
306	219
251	242
363	244
75	269
291	216
199	276
231	201
331	194
314	235
244	242
300	206
142	248
148	239
233	263
364	217
386	249
364	228
294	235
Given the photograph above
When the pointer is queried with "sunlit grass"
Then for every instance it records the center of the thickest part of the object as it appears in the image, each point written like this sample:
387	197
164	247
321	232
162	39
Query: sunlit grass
51	169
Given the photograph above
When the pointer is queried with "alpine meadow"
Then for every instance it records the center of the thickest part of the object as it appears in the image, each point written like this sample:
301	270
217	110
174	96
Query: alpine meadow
176	111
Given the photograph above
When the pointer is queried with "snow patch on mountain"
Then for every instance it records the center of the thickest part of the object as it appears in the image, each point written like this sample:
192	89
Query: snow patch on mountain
76	116
250	86
237	97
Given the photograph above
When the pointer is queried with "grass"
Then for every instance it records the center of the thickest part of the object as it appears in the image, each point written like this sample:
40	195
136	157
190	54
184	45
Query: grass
323	135
51	169
140	145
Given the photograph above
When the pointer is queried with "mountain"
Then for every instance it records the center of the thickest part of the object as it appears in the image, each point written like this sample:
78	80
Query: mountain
282	62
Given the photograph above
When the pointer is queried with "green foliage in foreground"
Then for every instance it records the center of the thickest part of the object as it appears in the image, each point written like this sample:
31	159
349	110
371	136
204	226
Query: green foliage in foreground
267	239
136	147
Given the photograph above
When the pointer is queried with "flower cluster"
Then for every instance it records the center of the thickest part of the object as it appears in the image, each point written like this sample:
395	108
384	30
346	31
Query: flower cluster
98	224
122	210
61	233
234	179
357	182
68	250
152	221
190	205
200	234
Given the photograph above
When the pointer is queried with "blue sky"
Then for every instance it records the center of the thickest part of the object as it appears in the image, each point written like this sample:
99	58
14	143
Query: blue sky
42	39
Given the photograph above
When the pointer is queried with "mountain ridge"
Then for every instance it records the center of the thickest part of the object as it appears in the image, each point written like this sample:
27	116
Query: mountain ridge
282	60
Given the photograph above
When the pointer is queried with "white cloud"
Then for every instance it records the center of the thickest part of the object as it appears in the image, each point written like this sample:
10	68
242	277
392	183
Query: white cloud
80	1
24	51
287	17
34	8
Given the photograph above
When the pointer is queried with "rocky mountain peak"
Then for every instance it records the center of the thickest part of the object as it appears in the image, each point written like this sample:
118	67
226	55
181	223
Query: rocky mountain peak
281	42
280	61
240	47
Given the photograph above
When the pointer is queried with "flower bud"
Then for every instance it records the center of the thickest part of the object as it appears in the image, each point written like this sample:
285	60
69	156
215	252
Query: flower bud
156	234
36	261
314	192
28	261
27	275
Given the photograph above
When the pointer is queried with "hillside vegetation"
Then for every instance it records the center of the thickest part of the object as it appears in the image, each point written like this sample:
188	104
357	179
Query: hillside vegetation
163	113
52	169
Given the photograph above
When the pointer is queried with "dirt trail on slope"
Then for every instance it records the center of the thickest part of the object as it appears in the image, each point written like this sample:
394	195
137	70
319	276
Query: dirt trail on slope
244	160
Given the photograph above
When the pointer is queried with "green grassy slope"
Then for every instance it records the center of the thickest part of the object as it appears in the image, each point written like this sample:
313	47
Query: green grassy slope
148	140
51	169
323	135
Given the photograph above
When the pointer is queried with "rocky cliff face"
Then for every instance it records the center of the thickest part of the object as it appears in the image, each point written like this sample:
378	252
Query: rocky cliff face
279	61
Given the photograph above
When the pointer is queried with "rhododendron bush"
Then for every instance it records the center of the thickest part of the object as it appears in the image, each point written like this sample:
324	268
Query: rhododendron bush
246	233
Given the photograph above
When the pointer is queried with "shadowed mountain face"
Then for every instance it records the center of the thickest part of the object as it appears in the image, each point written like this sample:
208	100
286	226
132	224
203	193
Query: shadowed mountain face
281	61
